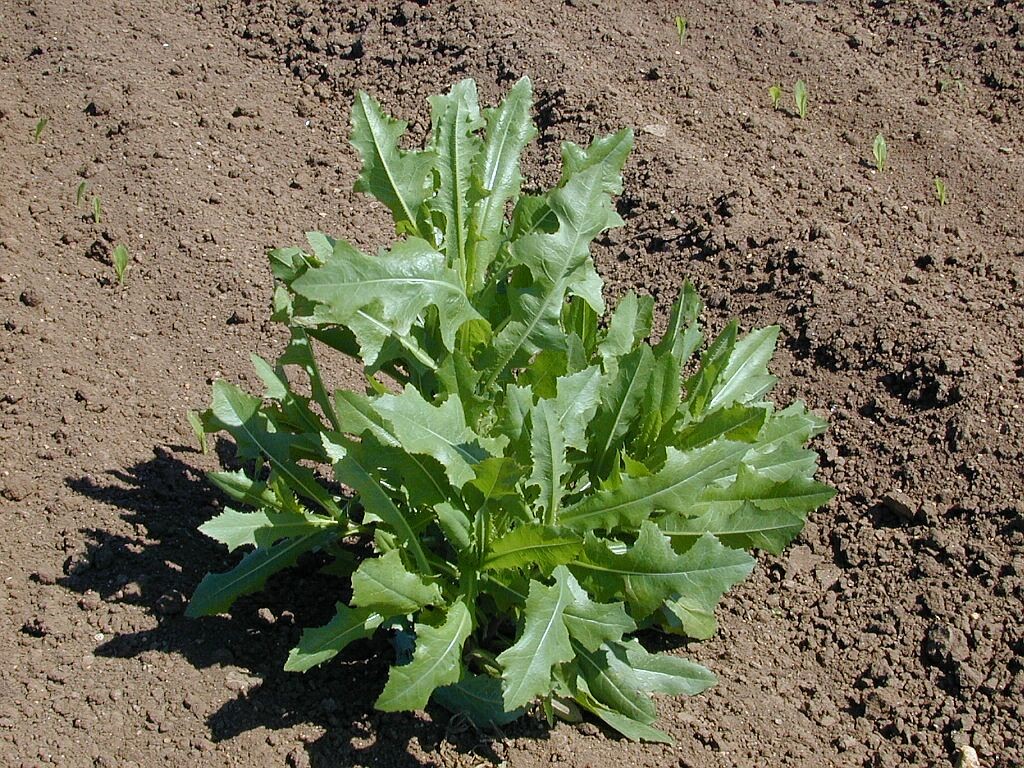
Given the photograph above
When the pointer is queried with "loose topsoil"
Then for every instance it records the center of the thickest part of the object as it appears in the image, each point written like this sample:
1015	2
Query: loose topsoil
889	634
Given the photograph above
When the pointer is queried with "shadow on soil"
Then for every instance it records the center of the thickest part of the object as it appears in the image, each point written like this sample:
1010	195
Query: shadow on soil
165	500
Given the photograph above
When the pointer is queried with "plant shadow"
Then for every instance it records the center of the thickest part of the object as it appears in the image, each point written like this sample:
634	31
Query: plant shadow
165	499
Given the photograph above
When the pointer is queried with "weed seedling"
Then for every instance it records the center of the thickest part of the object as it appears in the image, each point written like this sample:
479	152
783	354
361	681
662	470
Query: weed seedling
800	98
775	94
681	28
38	132
880	150
121	259
940	191
97	209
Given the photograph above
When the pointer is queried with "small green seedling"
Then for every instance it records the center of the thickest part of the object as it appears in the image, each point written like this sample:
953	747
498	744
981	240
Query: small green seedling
97	209
80	193
880	150
197	428
38	132
775	94
940	191
681	28
121	259
800	98
950	83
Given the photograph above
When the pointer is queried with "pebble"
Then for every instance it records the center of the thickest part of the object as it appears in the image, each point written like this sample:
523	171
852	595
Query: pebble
30	297
899	503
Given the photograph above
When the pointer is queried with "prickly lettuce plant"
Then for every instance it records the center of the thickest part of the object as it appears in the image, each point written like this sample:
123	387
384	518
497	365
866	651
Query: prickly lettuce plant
534	486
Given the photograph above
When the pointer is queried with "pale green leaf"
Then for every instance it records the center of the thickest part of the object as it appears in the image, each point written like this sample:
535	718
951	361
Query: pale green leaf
320	644
264	527
547	447
438	431
659	672
743	527
218	591
399	179
592	624
543	643
530	546
650	573
711	570
620	404
576	402
455	117
509	130
436	662
377	297
384	585
630	324
672	488
746	378
734	422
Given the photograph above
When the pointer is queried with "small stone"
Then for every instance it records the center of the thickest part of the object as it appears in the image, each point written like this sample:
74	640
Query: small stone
297	758
44	577
30	297
899	503
240	317
945	644
656	129
266	616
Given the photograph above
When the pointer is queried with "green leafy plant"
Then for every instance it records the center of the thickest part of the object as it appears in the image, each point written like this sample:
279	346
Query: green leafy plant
80	193
775	94
681	28
531	488
97	209
37	133
940	191
121	260
800	98
880	151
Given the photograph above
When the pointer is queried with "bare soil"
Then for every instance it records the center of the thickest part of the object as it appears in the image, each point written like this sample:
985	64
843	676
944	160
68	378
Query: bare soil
890	634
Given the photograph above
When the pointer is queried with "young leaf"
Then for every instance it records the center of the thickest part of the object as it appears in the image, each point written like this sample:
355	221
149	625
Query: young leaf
543	643
456	118
236	529
620	404
399	179
218	591
528	546
321	644
548	450
384	296
496	170
746	378
651	574
384	585
121	259
436	662
672	488
559	263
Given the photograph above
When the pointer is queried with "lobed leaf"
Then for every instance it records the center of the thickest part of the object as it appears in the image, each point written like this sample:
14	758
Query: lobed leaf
436	662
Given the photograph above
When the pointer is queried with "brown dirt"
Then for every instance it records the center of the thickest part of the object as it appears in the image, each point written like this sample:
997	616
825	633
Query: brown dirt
889	635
